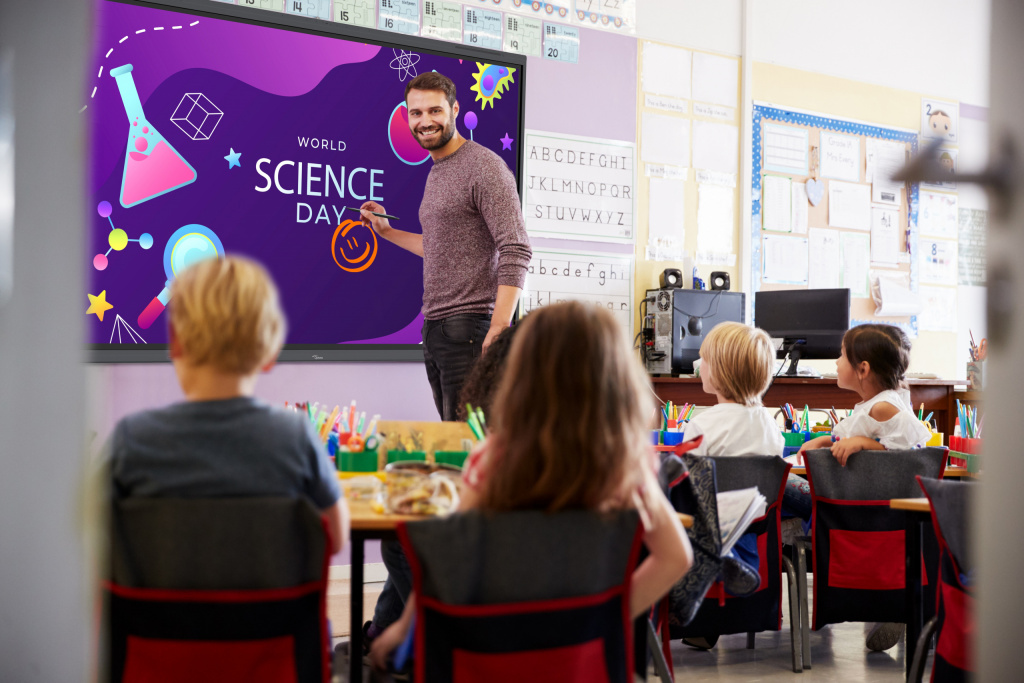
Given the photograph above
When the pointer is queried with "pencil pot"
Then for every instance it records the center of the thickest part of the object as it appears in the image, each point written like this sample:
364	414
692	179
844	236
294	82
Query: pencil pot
794	438
976	375
671	438
357	462
935	439
456	458
656	437
407	456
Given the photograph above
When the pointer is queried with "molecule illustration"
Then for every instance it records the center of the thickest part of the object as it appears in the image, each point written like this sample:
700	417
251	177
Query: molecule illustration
491	81
405	64
117	239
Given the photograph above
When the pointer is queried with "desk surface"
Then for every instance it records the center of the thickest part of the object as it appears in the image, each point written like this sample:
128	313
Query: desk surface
363	518
911	504
948	472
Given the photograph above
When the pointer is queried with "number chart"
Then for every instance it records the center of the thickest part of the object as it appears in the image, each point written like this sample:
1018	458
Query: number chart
355	12
482	28
442	20
561	43
523	35
401	16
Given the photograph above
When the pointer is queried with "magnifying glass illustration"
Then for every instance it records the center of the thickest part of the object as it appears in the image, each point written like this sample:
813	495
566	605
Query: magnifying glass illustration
189	244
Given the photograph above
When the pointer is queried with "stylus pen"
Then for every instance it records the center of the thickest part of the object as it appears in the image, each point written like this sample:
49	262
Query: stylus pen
378	215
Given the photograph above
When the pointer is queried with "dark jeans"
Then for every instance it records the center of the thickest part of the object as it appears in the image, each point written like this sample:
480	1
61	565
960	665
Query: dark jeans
450	347
396	588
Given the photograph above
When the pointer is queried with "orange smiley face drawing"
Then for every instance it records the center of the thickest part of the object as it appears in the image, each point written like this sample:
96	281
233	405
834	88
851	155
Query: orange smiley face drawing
357	249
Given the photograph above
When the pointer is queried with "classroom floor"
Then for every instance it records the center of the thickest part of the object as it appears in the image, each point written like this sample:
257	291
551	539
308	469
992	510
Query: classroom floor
837	654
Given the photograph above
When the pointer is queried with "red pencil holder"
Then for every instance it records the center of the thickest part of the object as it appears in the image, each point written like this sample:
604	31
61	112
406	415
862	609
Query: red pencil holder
973	446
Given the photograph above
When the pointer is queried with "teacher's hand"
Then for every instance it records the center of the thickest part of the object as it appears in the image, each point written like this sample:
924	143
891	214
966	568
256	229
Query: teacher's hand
491	334
379	225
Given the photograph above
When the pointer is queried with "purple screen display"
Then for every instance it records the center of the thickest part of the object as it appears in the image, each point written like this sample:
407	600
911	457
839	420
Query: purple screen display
212	136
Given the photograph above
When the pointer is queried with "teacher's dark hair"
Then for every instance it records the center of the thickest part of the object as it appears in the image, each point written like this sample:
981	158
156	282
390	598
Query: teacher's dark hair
432	80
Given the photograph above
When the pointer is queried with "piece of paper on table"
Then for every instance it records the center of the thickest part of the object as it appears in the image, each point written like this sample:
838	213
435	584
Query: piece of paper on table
938	261
714	224
839	156
666	70
785	149
665	140
939	214
666	218
849	205
715	146
938	309
823	255
785	259
715	79
885	235
799	208
775	204
892	296
855	254
884	158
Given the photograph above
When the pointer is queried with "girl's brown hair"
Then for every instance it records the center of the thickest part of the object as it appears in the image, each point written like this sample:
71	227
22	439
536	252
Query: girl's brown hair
571	415
886	349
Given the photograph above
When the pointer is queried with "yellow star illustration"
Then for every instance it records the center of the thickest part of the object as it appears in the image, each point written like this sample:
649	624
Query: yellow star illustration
98	304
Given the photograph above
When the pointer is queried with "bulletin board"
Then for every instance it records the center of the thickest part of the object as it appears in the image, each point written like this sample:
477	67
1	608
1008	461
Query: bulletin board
811	126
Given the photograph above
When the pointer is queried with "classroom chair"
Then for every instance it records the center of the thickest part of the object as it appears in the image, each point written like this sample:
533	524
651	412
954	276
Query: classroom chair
523	596
954	618
857	540
721	613
216	590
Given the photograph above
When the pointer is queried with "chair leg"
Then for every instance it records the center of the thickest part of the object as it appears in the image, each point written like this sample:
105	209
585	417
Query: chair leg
794	616
805	612
916	671
654	645
750	640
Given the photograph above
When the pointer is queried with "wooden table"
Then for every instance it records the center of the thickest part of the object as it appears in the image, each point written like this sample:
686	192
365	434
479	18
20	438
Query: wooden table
918	512
953	472
369	525
936	394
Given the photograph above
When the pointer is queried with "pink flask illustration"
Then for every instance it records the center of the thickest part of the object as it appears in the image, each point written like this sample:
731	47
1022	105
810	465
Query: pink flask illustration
152	167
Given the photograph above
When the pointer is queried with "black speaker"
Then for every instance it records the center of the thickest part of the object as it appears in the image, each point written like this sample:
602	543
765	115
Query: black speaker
671	278
719	281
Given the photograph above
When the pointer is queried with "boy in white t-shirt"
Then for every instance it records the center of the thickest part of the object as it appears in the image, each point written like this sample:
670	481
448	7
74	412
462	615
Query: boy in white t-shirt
736	363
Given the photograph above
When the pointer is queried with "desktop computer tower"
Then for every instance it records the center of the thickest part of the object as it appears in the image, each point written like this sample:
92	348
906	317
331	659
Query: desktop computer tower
676	322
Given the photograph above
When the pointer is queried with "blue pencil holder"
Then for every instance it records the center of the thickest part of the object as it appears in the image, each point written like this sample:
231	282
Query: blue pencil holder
671	438
656	437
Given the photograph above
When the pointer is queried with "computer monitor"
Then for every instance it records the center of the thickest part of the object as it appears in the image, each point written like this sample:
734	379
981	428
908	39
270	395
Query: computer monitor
809	322
694	313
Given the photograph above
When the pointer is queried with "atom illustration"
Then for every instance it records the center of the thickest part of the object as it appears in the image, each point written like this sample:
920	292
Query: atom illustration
405	64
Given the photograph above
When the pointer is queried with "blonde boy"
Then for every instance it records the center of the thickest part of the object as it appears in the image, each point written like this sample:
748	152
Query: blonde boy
225	328
736	367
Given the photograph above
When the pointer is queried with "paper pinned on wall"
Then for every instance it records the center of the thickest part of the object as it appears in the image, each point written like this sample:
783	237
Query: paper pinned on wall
823	259
666	220
855	254
715	225
785	259
715	79
883	159
799	208
775	203
939	214
849	205
666	70
605	279
839	156
665	140
938	261
938	309
785	149
885	240
892	296
716	146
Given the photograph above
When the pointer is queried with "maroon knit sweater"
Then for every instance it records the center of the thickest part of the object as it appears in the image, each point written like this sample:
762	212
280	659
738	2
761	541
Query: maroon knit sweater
474	237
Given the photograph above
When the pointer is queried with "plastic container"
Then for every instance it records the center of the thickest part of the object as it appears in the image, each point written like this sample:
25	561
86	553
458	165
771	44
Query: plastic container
794	438
453	458
420	488
935	439
671	438
365	461
406	456
656	437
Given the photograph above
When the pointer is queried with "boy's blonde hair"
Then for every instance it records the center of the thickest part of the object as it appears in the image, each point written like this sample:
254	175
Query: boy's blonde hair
225	314
571	417
741	358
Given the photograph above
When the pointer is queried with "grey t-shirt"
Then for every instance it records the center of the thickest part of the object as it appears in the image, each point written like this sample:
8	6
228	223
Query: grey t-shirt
237	447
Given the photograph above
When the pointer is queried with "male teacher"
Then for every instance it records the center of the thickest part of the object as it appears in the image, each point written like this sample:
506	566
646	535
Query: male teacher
474	245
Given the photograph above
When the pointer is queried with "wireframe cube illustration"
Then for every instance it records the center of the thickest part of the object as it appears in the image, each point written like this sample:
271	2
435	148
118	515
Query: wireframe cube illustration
196	116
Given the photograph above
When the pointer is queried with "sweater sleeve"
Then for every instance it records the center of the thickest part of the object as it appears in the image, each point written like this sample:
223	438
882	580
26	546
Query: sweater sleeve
499	204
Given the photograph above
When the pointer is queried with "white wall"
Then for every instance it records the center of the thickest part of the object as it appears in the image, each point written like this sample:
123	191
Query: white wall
935	47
